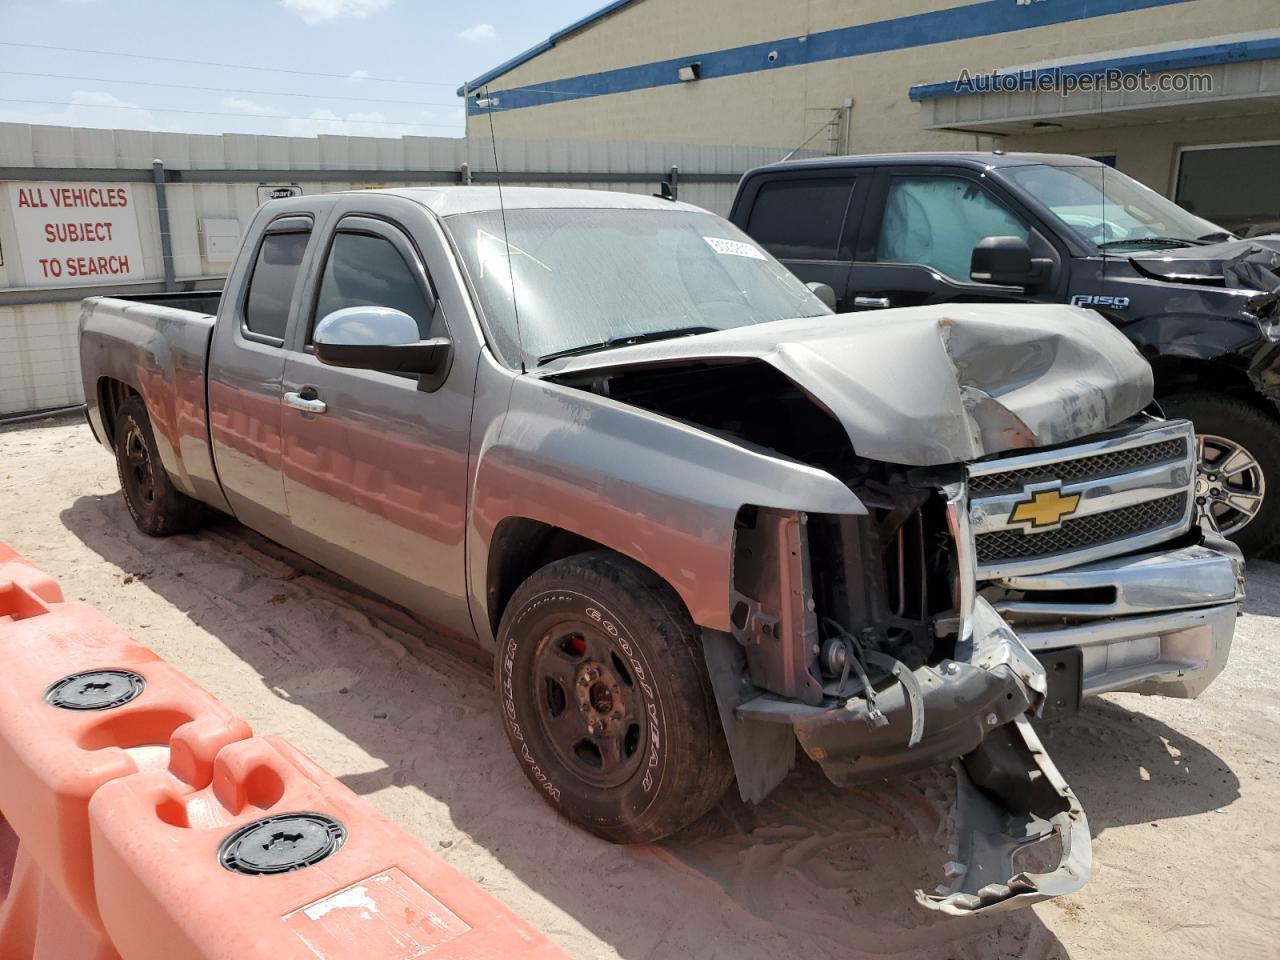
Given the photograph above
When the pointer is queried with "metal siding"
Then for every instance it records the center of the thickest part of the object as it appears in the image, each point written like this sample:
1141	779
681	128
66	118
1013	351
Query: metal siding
38	342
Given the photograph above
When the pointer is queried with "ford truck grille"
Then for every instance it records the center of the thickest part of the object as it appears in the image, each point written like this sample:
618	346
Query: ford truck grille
1040	511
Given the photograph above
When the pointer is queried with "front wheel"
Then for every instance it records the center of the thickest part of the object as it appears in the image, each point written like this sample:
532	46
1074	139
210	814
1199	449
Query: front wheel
1238	480
606	699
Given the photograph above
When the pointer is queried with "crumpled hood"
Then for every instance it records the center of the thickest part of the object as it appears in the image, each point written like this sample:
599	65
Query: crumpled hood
1242	264
932	385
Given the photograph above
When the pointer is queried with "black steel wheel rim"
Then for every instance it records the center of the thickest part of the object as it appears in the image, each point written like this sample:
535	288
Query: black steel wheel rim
138	467
589	706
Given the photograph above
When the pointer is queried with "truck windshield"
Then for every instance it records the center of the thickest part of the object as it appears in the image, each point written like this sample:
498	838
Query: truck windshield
596	278
1112	211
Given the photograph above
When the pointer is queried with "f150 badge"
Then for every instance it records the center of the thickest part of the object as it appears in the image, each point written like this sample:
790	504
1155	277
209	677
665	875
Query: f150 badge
1045	508
1091	300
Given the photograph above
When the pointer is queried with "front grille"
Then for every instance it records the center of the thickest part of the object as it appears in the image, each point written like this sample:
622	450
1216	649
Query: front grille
1098	528
1083	468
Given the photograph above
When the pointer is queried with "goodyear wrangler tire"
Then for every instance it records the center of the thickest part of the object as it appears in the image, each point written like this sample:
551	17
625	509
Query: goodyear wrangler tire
158	508
606	700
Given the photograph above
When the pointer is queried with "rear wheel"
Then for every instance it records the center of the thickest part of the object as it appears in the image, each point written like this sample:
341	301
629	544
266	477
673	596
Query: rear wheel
1238	479
606	699
158	507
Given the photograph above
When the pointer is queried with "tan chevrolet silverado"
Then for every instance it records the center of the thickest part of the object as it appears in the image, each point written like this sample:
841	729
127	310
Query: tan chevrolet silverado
697	517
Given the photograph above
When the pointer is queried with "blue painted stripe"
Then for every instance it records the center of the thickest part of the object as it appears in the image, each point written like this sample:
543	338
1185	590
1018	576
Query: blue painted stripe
1242	51
985	18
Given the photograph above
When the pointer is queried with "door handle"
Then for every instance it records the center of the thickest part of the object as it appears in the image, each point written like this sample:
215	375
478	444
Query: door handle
871	303
305	404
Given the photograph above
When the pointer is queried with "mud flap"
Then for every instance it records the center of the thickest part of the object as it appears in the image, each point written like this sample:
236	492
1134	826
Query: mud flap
1010	795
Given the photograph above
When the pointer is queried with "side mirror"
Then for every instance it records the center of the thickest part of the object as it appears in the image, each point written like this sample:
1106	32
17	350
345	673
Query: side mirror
379	338
1002	260
824	293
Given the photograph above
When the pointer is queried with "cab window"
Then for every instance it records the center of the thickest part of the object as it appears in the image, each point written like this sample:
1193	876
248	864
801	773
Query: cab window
803	219
937	221
366	270
275	273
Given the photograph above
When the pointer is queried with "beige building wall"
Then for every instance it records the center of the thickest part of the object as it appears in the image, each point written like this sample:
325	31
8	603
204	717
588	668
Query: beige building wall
782	106
1149	152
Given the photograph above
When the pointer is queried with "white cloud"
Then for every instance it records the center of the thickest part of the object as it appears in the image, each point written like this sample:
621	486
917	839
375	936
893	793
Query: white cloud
88	108
102	110
316	11
251	107
358	75
372	123
481	31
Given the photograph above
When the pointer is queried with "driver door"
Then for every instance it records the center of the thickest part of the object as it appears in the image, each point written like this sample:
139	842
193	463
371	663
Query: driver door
375	466
921	229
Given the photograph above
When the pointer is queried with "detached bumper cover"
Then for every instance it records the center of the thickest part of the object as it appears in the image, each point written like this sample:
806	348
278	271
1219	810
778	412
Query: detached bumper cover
1008	792
1167	631
1008	796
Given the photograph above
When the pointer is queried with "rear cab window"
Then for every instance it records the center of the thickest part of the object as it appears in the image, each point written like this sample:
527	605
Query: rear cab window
274	279
804	218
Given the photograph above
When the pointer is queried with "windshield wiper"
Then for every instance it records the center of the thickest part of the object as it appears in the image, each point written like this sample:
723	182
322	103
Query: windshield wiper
1151	242
625	340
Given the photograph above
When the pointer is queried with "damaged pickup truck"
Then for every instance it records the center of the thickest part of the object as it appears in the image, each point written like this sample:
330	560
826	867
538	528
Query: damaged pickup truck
696	516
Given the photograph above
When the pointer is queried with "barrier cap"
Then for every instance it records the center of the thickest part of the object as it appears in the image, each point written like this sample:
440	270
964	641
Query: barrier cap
287	841
96	690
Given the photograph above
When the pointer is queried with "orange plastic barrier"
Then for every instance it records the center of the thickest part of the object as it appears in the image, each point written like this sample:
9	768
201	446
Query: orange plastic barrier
143	821
82	704
24	590
36	923
276	859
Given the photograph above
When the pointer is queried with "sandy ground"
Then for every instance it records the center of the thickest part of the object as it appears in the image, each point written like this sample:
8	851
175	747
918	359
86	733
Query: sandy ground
1182	797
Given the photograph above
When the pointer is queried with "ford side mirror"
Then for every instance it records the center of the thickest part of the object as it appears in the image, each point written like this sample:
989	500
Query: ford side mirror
379	338
1005	261
824	293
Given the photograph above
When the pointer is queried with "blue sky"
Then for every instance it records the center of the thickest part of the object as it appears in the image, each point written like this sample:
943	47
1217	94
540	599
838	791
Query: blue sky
356	43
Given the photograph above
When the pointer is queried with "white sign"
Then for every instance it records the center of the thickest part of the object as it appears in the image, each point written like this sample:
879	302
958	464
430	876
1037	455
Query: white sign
76	233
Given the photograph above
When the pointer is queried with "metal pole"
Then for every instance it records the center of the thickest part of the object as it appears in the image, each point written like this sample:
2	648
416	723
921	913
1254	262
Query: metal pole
162	214
675	183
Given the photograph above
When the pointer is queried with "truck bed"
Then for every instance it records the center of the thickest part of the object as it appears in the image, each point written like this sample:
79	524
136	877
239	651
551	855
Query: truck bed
197	301
156	345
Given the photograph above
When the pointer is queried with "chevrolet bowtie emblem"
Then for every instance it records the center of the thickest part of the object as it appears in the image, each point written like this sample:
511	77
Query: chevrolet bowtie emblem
1046	508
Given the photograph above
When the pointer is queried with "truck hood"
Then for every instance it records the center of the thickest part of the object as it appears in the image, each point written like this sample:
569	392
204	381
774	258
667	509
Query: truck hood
1242	264
931	385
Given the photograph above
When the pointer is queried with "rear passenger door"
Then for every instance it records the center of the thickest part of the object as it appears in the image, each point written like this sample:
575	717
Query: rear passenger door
247	358
808	220
376	480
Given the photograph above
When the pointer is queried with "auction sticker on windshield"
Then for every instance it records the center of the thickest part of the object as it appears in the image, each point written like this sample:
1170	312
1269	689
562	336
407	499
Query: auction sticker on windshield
734	248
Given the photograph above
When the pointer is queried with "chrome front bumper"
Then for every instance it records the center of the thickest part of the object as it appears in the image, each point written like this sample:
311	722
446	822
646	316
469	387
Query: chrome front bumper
1164	629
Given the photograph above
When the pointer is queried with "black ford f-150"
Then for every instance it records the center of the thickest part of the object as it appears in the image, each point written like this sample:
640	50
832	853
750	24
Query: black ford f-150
1201	305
